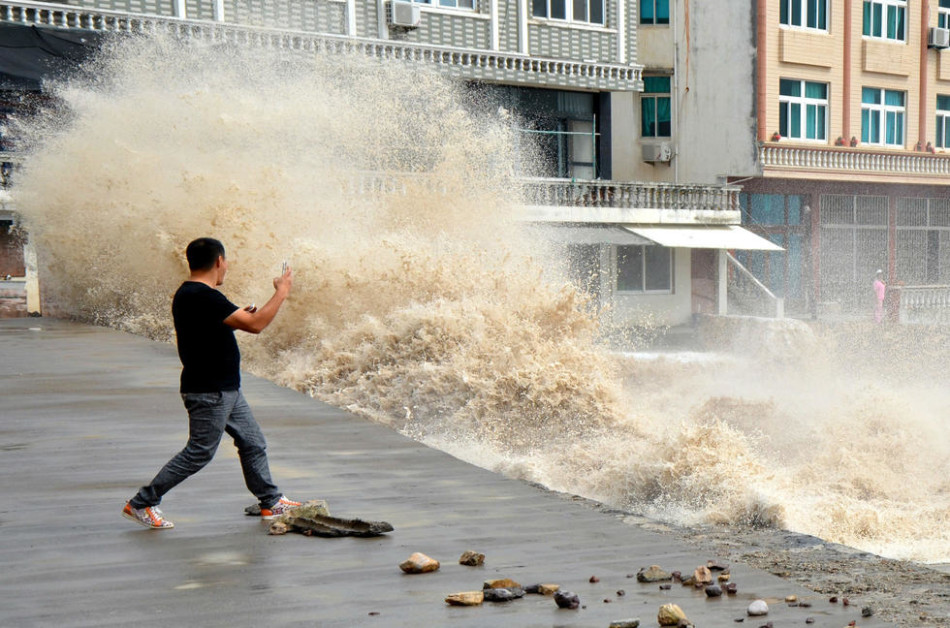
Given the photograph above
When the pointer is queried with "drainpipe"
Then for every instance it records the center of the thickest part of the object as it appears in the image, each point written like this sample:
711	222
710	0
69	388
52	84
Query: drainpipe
924	97
846	78
761	95
675	101
622	31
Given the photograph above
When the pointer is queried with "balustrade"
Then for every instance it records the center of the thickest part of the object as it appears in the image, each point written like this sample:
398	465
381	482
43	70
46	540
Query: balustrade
854	160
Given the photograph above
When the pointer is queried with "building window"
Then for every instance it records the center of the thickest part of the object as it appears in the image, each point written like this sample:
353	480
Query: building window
645	269
886	19
922	250
805	13
943	121
655	11
655	110
943	14
583	11
803	110
882	117
451	4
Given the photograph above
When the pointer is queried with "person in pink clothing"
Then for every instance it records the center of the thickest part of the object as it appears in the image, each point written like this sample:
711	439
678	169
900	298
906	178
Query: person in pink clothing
880	289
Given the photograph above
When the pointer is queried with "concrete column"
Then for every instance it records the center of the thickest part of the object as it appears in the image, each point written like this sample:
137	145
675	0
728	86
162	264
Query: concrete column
351	18
523	12
181	9
218	10
32	278
383	28
722	282
622	30
493	9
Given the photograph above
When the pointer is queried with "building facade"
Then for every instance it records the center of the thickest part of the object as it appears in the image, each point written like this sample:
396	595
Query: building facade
831	115
618	199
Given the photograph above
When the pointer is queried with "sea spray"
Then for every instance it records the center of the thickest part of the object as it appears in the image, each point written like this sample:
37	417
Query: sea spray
419	302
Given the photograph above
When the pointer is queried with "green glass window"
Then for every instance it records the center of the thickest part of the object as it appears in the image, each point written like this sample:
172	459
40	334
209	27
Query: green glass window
656	118
655	12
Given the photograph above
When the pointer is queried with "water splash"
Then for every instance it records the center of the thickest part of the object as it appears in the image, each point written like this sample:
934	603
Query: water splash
419	303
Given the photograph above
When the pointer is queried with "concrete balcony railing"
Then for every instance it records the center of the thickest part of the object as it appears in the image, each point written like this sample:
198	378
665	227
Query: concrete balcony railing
475	64
854	162
632	202
928	305
543	199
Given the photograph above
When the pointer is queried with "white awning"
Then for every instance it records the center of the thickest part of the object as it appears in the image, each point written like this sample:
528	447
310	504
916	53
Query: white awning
588	234
704	237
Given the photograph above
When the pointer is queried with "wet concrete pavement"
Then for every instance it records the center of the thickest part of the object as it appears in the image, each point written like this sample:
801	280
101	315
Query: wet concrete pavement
87	415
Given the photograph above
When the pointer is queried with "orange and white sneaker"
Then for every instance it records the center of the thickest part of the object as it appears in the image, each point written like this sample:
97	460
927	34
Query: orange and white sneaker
281	506
150	517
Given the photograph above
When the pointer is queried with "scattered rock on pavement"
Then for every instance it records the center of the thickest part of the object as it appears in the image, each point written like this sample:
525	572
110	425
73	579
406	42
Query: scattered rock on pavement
277	528
502	595
419	563
465	598
566	599
758	608
625	623
501	583
732	588
867	611
713	590
548	589
471	558
594	579
716	566
791	598
653	573
702	575
670	615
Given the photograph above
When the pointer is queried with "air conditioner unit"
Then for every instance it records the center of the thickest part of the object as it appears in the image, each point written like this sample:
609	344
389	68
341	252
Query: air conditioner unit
938	38
405	14
657	152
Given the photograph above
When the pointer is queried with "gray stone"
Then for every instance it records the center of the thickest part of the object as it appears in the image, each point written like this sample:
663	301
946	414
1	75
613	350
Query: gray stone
472	558
566	599
625	623
714	590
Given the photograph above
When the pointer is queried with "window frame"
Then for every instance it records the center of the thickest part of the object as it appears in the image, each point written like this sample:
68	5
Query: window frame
942	128
644	269
654	21
884	110
804	12
804	102
656	97
868	30
570	8
437	4
943	14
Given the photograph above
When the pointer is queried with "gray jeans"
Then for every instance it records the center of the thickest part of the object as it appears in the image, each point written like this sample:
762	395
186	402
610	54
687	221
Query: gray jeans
210	415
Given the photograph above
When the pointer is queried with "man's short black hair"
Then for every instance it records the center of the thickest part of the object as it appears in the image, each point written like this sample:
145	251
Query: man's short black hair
203	253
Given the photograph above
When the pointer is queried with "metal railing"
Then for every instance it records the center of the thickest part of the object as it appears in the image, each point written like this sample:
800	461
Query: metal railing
777	304
854	160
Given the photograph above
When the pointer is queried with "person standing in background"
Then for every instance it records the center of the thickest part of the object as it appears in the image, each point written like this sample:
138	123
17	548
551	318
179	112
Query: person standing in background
880	289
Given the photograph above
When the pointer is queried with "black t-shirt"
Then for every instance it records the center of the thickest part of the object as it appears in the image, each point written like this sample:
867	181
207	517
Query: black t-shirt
209	353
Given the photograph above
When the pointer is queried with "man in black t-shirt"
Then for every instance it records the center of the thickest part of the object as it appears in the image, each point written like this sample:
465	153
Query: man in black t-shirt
205	321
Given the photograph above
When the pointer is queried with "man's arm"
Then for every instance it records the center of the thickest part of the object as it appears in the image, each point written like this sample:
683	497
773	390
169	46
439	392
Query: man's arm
255	320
